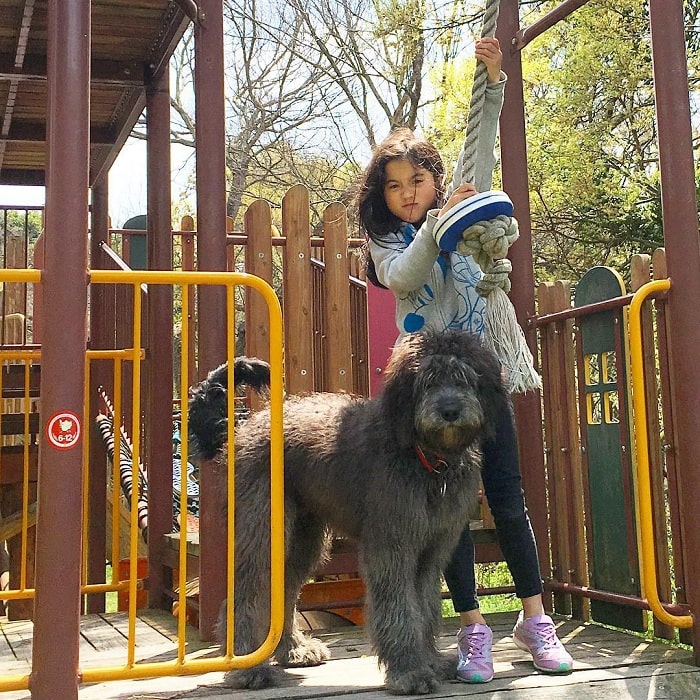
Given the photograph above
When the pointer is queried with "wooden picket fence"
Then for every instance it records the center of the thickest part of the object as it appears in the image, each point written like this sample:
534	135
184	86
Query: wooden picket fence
324	301
573	485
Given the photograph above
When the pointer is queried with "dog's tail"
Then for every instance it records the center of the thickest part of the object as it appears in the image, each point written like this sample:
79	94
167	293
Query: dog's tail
208	406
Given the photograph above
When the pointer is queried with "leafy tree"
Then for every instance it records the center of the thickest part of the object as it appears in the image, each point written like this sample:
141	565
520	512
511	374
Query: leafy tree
592	150
312	86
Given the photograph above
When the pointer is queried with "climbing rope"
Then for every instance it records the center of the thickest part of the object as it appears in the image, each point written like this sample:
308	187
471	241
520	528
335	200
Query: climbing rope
471	137
488	243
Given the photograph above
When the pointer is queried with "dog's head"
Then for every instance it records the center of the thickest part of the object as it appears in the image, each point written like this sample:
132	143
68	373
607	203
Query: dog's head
443	390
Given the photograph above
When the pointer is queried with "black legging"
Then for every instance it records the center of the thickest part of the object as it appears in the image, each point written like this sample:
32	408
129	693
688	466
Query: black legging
502	485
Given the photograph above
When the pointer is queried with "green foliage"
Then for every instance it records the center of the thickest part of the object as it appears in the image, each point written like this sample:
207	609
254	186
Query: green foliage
19	221
368	65
592	140
490	576
591	135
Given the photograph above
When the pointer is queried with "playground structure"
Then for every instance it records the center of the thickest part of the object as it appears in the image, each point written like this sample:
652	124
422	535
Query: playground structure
60	291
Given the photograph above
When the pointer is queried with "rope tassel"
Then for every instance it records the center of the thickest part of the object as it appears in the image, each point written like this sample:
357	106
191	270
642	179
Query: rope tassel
503	335
487	241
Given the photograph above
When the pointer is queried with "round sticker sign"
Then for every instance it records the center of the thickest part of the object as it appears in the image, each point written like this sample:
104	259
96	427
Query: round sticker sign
63	430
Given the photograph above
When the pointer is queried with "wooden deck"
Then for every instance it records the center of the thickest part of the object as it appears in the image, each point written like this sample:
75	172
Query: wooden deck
608	664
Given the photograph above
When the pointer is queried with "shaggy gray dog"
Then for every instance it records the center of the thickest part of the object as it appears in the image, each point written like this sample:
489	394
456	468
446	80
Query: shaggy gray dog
397	473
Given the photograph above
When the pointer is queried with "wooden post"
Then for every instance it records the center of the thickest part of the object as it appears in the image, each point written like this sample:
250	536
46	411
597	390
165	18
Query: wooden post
59	526
297	289
338	340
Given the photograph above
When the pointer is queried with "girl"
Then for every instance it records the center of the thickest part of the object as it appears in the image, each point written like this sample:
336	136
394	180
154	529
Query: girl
399	200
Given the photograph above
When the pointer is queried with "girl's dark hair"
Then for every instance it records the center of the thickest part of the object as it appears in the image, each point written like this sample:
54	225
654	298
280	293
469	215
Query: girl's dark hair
375	218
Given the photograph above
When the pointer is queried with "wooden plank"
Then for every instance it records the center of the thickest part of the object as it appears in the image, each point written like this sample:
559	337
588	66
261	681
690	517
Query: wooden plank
145	634
9	663
546	302
640	273
13	378
100	634
258	223
12	525
297	289
18	634
13	424
166	624
337	299
608	664
615	565
20	550
12	463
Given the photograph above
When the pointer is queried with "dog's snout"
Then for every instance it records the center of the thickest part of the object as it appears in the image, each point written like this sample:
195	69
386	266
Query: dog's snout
450	411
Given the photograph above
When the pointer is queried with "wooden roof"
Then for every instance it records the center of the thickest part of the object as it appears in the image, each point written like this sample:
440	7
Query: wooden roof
130	39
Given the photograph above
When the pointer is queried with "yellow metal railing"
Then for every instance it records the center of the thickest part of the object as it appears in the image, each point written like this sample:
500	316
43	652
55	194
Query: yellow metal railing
646	516
134	355
26	357
118	357
182	665
21	681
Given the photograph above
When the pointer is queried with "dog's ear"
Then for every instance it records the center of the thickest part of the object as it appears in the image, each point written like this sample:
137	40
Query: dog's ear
207	420
207	414
493	393
397	395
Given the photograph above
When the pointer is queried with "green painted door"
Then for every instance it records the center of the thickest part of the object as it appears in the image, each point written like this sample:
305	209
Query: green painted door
614	560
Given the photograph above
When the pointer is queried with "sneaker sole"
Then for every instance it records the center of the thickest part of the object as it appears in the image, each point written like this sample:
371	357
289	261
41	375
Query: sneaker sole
474	679
563	667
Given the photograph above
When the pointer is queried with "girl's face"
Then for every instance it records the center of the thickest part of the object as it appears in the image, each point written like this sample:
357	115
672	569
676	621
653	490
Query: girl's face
409	190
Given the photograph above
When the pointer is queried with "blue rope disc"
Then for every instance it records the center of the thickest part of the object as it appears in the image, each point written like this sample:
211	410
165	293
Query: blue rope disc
481	207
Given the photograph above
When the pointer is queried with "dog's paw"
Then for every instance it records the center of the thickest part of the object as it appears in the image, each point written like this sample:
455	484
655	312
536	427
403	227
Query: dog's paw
417	682
444	666
255	678
309	652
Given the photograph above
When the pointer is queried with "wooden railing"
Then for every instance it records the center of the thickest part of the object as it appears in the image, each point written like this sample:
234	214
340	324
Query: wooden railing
589	527
317	279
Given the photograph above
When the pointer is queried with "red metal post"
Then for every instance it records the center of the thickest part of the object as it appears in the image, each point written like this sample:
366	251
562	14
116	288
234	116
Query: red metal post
64	281
159	375
211	256
682	242
526	35
97	542
515	182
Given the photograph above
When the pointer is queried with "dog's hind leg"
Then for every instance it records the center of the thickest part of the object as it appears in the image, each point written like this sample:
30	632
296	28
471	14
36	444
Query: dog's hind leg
306	545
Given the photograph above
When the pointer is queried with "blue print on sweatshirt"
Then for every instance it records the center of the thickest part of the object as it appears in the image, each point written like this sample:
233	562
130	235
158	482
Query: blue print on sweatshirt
470	306
413	321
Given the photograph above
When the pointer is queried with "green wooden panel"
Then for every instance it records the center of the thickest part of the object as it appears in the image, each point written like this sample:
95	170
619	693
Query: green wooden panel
138	245
615	559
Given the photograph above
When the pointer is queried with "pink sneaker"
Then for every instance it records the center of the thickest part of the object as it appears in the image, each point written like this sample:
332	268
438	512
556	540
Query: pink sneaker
475	663
538	636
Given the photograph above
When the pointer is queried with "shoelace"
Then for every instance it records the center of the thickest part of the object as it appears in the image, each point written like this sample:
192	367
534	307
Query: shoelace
477	641
546	636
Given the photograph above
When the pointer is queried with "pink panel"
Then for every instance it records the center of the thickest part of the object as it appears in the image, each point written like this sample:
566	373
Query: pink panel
382	332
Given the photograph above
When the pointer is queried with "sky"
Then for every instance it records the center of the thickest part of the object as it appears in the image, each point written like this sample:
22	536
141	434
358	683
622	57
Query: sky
127	184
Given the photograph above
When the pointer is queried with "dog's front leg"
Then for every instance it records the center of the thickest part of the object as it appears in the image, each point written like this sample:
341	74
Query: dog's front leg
397	625
428	593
